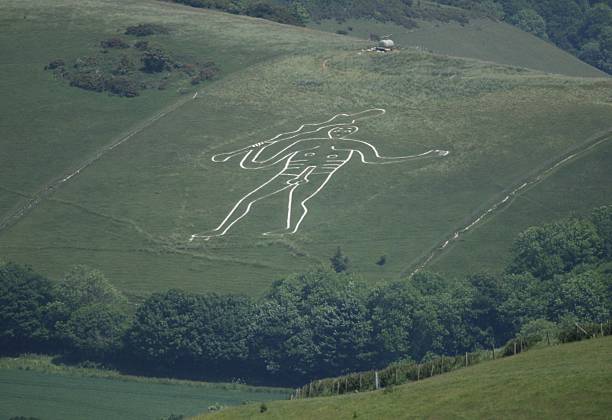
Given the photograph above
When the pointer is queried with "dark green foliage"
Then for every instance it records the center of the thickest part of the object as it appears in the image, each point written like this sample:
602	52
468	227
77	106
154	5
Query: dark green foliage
146	29
314	324
274	12
83	286
341	32
114	43
339	261
575	331
382	260
55	64
178	329
602	219
95	331
556	248
27	313
88	80
263	408
117	69
156	61
122	86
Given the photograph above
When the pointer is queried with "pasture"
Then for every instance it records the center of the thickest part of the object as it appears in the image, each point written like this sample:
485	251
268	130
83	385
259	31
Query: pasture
131	212
570	381
48	396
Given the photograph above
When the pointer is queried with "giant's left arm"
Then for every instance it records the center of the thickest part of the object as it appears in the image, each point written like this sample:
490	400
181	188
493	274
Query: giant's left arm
369	153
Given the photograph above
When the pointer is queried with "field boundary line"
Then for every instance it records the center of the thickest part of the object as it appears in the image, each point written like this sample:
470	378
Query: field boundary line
508	198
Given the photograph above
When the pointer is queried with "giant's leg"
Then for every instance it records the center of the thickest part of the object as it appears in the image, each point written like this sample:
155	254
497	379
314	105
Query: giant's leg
273	186
299	195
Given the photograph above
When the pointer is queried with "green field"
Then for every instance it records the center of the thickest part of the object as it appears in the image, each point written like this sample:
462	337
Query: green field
482	39
131	212
54	396
571	381
575	188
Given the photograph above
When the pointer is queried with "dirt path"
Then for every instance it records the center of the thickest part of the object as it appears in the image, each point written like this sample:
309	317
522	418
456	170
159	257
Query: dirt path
54	185
507	199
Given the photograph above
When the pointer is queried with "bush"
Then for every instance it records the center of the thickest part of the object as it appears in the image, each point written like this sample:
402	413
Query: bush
88	80
122	86
207	72
156	61
141	45
55	64
114	43
146	29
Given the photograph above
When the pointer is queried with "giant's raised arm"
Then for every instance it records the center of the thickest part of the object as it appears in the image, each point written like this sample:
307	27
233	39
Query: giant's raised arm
369	153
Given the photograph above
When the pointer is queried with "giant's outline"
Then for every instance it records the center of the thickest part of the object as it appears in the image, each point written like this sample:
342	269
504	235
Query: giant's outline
251	161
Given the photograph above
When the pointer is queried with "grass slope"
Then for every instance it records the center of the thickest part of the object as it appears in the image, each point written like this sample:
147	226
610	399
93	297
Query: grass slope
575	188
131	212
483	39
568	381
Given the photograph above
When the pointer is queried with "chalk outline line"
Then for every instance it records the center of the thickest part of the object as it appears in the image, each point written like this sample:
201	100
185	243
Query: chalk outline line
221	229
534	179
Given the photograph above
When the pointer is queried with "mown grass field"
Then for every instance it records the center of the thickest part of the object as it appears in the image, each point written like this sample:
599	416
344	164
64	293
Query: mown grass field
131	213
571	381
482	39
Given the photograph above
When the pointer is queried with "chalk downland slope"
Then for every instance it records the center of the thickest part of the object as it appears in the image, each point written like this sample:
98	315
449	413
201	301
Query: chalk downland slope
571	381
132	212
483	39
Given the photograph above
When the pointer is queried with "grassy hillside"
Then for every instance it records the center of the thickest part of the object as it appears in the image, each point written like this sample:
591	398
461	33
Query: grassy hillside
131	212
483	39
66	397
577	187
568	381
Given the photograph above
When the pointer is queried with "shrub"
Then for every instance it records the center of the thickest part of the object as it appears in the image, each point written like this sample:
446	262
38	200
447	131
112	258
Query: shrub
156	61
122	86
114	43
55	64
141	45
88	80
146	29
341	32
207	72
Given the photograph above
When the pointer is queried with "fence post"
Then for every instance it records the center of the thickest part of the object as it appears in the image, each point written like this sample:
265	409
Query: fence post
418	372
515	347
360	377
376	380
466	359
601	328
493	348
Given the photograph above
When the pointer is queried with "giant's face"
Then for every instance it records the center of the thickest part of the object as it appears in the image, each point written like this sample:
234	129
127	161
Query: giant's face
339	132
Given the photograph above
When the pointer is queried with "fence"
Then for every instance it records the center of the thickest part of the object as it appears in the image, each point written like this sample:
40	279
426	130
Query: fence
401	373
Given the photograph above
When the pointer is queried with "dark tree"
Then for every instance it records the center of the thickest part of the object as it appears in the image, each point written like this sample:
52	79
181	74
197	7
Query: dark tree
339	261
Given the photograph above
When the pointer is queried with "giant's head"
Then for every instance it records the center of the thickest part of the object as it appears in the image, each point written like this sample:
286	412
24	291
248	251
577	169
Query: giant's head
342	131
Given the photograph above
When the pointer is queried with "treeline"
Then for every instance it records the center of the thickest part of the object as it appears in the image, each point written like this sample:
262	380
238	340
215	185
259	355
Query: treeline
299	12
316	324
